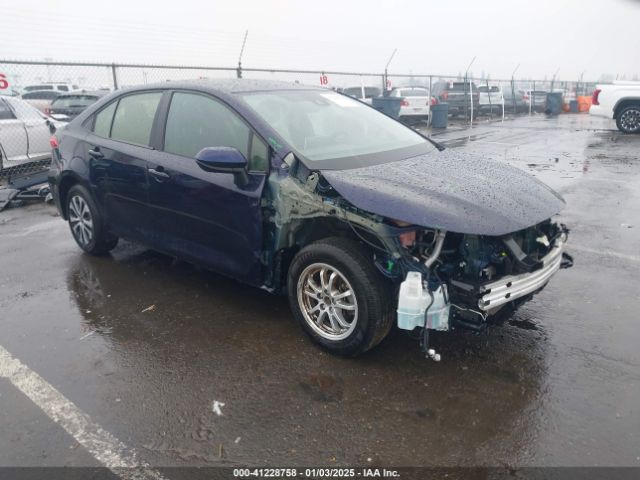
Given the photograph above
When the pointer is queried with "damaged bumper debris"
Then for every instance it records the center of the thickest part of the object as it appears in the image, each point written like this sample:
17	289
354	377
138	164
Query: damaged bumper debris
508	289
462	286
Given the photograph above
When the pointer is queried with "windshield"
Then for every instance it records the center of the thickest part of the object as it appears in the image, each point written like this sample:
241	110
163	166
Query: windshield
324	126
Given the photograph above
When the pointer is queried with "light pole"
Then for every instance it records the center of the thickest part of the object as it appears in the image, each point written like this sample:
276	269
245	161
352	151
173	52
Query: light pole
513	88
466	81
386	78
239	70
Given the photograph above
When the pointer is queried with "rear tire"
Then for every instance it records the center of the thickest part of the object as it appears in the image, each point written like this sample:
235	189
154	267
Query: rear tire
86	223
628	119
338	297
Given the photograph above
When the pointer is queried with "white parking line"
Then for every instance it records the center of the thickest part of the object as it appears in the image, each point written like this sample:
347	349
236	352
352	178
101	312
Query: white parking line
623	256
104	447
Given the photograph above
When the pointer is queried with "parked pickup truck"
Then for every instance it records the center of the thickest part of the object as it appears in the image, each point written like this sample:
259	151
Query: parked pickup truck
620	101
458	95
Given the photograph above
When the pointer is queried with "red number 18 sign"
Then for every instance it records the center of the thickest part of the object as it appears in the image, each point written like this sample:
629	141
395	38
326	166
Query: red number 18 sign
324	80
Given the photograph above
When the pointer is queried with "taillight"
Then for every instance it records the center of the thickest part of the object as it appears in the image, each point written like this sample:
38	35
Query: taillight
594	97
47	111
53	141
404	103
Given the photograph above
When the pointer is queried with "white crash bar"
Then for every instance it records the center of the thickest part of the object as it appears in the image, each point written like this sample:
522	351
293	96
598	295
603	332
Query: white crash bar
512	287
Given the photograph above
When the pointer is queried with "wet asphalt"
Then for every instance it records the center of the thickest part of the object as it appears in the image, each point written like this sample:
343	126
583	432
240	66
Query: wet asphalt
145	344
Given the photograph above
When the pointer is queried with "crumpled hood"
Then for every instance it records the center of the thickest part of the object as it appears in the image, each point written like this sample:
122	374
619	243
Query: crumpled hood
449	190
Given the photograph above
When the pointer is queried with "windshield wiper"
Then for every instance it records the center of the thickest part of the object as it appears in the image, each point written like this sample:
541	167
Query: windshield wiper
438	145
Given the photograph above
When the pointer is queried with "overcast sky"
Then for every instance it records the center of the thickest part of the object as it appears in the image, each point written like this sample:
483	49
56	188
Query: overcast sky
572	36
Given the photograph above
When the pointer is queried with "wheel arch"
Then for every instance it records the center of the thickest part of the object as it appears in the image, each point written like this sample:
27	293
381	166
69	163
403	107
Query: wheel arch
67	180
313	230
623	103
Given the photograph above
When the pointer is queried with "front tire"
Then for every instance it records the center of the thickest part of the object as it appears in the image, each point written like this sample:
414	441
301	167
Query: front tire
338	297
628	119
86	223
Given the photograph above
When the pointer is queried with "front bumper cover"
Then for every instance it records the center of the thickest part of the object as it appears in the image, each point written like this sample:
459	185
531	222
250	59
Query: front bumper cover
512	287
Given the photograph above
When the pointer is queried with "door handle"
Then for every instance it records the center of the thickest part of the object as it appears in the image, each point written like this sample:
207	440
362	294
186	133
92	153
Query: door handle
159	173
96	153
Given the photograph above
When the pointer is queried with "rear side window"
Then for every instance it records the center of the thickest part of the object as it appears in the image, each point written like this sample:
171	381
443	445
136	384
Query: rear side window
102	125
5	111
64	88
196	122
134	116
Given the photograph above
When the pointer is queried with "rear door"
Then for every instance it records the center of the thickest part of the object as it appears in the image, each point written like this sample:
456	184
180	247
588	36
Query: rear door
118	149
205	216
13	137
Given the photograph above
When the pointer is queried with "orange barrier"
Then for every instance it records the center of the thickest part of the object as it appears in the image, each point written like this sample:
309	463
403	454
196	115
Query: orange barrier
584	103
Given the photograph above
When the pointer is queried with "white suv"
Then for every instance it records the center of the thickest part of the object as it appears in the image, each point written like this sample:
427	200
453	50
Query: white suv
55	86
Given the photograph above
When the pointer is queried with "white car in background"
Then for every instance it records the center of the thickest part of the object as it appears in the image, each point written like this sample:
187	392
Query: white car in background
24	133
416	103
54	86
364	93
620	101
40	99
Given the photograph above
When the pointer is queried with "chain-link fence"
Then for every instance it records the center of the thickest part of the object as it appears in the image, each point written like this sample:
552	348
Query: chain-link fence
33	94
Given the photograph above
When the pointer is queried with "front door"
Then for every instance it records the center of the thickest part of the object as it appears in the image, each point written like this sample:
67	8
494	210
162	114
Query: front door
200	215
13	138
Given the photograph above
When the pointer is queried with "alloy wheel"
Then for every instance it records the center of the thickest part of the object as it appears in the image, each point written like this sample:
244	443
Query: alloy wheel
327	301
630	120
81	220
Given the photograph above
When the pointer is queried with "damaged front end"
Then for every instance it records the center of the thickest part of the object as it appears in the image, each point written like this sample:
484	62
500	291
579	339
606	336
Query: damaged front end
443	279
483	274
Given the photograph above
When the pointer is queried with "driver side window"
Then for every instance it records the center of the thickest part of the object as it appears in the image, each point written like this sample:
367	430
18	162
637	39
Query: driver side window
195	122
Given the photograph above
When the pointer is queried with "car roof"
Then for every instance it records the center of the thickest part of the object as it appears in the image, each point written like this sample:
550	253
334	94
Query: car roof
228	85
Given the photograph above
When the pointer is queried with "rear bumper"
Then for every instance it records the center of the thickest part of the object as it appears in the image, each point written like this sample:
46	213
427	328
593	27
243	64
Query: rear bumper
511	288
411	112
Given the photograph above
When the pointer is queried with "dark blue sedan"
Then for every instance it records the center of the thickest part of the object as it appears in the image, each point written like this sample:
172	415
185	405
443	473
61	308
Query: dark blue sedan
305	191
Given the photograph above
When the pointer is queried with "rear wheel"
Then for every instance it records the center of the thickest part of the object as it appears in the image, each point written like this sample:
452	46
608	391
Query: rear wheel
86	223
338	297
628	120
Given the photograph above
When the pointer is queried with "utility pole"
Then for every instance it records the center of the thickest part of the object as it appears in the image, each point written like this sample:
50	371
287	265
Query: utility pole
553	79
244	42
386	78
513	88
467	82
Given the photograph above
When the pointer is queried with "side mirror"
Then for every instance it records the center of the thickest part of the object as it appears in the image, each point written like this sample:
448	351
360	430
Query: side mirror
224	160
